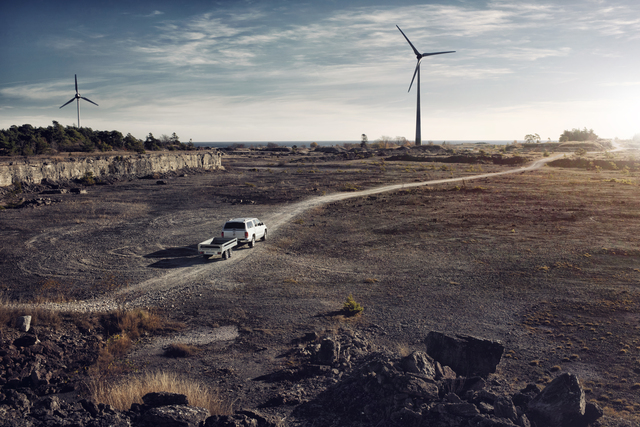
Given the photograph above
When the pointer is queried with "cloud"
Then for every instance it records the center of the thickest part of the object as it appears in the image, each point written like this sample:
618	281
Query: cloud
154	13
40	91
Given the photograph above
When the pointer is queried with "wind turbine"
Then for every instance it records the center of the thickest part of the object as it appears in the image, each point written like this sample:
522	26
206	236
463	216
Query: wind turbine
77	98
417	71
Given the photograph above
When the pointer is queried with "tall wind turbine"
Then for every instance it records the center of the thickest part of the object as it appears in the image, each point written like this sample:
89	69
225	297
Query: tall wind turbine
77	98
417	71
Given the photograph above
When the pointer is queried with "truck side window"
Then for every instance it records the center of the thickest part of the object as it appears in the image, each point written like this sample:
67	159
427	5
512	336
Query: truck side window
250	224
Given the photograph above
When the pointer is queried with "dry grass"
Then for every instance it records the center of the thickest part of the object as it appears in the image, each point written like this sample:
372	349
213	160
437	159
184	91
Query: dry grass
123	392
123	328
180	350
39	316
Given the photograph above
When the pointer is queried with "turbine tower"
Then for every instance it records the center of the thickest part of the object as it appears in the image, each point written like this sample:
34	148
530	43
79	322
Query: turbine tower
417	71
77	98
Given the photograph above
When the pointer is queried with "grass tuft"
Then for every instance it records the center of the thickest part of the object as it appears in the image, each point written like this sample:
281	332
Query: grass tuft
123	392
180	350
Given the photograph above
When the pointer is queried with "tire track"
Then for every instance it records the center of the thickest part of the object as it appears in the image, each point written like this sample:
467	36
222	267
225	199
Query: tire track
212	274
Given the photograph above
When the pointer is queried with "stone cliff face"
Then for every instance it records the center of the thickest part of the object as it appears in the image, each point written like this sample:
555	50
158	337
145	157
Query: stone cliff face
33	172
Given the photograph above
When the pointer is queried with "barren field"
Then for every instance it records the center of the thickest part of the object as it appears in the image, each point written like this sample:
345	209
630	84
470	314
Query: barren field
545	261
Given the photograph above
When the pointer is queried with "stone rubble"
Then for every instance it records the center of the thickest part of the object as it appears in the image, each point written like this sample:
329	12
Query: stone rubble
337	380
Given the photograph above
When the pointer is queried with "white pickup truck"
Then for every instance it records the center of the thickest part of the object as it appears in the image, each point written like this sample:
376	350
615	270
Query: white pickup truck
234	232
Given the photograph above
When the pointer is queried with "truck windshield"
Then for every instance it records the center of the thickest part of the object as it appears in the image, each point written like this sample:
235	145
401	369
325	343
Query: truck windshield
234	226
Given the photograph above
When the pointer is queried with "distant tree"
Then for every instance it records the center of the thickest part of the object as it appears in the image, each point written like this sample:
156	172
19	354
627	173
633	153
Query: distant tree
636	137
133	143
313	145
401	141
578	135
531	138
364	140
151	143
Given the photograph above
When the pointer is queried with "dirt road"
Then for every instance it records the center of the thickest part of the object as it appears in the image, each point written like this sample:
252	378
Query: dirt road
192	275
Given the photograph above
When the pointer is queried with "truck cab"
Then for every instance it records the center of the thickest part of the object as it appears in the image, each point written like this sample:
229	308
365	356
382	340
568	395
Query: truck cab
246	230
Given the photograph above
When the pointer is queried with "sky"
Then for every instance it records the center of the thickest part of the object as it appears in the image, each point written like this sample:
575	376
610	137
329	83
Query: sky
324	70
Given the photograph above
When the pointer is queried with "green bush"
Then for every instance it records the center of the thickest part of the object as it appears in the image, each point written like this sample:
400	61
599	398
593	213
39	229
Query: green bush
351	307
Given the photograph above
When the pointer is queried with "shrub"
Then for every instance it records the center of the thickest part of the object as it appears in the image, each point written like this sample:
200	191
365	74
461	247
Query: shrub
349	187
88	179
180	350
351	307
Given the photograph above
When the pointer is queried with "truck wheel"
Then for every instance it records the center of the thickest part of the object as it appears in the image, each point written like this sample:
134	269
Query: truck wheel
252	243
225	254
230	252
264	236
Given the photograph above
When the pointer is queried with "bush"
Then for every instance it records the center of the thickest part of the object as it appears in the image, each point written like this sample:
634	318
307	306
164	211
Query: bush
180	350
351	307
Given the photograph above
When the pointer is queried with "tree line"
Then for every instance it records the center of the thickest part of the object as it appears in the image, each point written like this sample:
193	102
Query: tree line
27	140
578	135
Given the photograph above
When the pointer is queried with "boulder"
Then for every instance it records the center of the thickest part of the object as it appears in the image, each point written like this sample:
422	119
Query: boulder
562	404
26	341
329	352
155	400
466	355
24	323
175	416
419	363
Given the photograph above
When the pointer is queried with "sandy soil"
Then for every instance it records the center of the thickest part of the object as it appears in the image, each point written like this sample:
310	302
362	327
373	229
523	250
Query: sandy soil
544	260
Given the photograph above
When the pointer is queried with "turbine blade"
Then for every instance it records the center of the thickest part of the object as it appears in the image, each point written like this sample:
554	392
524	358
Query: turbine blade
410	44
414	75
70	101
76	76
87	99
437	53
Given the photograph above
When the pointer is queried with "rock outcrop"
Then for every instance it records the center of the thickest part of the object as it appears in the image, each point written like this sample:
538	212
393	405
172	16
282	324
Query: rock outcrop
337	380
34	172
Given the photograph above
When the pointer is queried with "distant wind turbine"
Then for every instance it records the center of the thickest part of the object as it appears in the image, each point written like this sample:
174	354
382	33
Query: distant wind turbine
417	71
77	98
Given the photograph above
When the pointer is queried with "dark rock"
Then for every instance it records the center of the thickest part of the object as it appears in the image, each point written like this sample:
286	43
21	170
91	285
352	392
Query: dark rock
561	404
415	386
175	416
504	408
591	413
230	421
466	355
329	352
467	410
419	363
155	400
487	421
524	396
90	407
523	421
26	341
444	372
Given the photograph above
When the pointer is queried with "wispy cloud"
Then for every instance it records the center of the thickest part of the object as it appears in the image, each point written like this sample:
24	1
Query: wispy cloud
40	91
154	13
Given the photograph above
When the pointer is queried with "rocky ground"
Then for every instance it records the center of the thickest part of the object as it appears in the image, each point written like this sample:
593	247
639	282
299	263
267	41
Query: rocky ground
544	261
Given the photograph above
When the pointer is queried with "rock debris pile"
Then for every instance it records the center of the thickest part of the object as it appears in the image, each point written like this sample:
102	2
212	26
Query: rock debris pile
337	380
